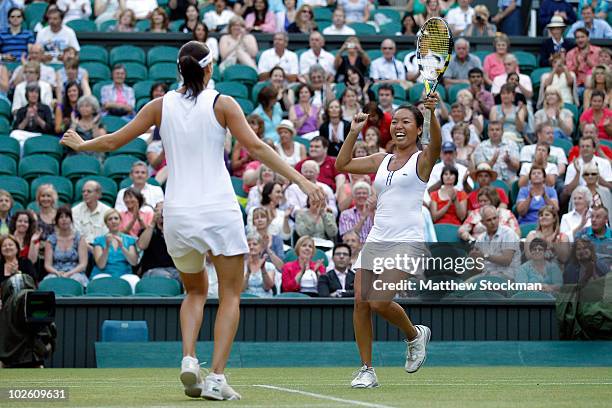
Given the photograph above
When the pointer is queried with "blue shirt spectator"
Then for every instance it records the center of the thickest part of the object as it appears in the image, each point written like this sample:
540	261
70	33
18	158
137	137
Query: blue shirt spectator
116	263
600	9
599	234
596	27
5	6
509	22
537	202
14	40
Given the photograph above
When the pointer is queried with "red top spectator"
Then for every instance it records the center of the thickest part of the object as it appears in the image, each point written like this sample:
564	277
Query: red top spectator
582	58
590	130
302	275
382	121
327	169
599	115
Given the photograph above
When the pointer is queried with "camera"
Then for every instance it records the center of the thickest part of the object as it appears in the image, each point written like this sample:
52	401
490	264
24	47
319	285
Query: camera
27	328
480	18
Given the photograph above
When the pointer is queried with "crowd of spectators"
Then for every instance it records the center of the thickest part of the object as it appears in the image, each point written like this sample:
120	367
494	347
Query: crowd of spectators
513	159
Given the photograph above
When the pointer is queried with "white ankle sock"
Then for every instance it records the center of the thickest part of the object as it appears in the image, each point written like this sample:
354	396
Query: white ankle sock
218	377
189	358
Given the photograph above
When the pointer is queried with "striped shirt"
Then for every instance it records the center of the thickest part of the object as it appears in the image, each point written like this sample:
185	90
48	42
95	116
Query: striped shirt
349	218
16	44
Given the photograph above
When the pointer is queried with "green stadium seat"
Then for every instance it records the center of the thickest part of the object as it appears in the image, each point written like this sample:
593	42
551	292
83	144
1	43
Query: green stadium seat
216	75
126	53
96	90
159	286
63	287
482	54
527	61
109	286
107	26
415	92
44	144
246	105
8	166
205	9
118	167
10	147
93	53
453	90
82	25
175	25
5	126
248	296
136	148
109	188
142	89
574	109
292	295
77	166
536	76
37	165
62	185
340	88
303	141
141	102
17	186
143	25
126	182
607	143
526	228
363	28
35	12
290	255
374	54
113	123
97	71
566	145
237	185
530	294
322	13
232	89
5	109
503	185
240	73
162	53
163	72
322	25
447	232
391	29
399	92
514	189
135	72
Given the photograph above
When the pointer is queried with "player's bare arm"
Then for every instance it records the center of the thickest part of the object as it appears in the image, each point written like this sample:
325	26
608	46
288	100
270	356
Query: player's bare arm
363	165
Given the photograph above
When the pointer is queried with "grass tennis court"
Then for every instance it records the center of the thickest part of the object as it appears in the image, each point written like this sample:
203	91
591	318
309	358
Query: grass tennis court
328	387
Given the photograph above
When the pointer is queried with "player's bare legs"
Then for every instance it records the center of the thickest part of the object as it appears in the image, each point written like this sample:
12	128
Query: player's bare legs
192	309
362	322
230	272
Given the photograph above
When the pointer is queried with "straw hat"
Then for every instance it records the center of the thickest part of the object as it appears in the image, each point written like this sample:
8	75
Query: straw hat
287	124
484	167
556	22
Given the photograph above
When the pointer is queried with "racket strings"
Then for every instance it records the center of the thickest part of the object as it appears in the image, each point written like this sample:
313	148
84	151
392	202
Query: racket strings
434	45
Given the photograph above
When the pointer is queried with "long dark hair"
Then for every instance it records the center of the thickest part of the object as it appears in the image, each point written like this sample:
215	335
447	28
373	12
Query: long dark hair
66	107
32	225
193	74
418	115
266	191
260	17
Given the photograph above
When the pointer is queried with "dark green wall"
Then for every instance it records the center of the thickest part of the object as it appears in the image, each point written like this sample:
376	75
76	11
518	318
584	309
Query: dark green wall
79	321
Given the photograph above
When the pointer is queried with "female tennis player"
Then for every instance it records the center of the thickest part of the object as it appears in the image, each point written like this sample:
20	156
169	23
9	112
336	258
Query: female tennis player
201	212
400	182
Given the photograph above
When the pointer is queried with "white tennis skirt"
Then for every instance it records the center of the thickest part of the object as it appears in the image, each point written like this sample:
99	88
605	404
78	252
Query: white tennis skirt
407	257
219	230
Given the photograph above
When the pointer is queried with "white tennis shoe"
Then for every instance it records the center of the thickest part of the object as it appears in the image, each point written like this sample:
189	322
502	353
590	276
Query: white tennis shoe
416	350
191	377
218	389
365	378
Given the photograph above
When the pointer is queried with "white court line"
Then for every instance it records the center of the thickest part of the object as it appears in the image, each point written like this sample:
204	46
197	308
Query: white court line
321	396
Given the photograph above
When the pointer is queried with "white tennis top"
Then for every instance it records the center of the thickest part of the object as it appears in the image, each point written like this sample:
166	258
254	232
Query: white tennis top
193	141
398	215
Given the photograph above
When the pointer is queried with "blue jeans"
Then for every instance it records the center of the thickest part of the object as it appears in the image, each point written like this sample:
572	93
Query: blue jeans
512	24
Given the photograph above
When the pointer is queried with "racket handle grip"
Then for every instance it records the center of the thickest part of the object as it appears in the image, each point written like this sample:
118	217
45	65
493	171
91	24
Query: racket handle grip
426	124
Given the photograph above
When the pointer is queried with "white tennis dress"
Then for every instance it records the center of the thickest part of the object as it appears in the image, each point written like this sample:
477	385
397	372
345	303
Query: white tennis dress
200	208
398	222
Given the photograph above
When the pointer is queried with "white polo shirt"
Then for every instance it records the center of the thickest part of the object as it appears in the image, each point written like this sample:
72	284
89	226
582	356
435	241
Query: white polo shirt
382	69
325	59
90	224
152	195
269	59
605	172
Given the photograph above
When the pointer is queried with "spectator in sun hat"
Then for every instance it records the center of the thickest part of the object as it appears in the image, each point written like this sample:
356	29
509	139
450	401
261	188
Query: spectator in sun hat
484	175
555	43
289	150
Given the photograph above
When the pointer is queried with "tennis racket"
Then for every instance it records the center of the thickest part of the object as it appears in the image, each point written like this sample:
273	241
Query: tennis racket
434	49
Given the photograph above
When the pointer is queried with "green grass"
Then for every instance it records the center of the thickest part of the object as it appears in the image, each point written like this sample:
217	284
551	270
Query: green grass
431	387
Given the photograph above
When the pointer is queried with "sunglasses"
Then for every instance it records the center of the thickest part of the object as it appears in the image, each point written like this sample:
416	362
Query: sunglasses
590	174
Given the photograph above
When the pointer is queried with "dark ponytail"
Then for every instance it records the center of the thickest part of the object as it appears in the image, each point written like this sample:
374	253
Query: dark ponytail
189	67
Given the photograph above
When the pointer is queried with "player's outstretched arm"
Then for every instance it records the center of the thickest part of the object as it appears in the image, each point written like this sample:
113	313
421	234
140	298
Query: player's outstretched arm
362	165
148	116
234	119
432	153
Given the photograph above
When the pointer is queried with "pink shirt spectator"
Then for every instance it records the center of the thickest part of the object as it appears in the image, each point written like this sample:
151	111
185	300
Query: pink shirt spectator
291	270
493	66
349	218
126	219
269	25
587	117
579	66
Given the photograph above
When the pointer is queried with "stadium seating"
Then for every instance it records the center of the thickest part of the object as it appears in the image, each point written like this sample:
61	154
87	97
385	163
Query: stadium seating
363	28
566	145
135	72
82	25
63	287
142	89
248	296
126	182
17	186
532	295
113	123
80	165
163	72
96	88
158	286
93	53
62	185
399	91
118	167
246	105
34	13
109	286
240	73
453	90
38	165
126	53
303	141
109	188
8	166
527	61
447	232
162	53
237	184
107	25
292	295
45	144
5	109
5	126
136	148
97	71
484	295
9	147
232	89
527	228
290	255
